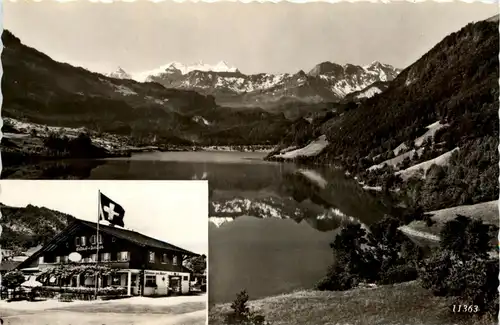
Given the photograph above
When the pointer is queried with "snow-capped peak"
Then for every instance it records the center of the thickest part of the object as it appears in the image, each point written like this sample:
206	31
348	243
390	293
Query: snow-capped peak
374	65
119	74
177	67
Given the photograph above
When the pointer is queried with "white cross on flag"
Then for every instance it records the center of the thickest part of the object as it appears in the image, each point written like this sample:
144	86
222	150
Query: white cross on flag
110	211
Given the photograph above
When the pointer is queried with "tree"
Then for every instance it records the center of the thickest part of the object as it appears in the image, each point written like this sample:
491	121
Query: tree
461	268
465	237
241	314
197	264
13	280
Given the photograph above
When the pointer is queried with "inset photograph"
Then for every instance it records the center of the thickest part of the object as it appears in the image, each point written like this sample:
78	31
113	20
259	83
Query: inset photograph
104	252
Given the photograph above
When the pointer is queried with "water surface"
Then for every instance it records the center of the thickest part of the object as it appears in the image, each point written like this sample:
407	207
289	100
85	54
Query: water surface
276	220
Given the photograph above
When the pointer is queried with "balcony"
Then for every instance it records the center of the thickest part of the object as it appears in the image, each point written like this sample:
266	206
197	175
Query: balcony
111	264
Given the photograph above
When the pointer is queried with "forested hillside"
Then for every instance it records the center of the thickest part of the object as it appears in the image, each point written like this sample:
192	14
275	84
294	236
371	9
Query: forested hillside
456	81
439	115
27	227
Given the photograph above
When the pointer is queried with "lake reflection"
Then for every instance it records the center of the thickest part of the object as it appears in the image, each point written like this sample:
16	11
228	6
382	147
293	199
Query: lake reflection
261	253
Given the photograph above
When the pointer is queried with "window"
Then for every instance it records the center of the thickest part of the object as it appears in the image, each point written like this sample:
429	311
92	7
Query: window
83	243
185	278
77	241
164	258
123	256
105	257
93	257
175	261
116	280
58	259
150	281
40	260
151	257
93	240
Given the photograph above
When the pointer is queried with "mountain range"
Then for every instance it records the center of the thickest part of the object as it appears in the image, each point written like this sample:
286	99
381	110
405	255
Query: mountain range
449	97
327	81
164	109
37	89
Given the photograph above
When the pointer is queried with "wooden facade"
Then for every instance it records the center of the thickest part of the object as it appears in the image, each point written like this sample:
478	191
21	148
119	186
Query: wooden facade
146	266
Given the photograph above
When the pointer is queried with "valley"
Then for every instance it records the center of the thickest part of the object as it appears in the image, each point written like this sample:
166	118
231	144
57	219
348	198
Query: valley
312	175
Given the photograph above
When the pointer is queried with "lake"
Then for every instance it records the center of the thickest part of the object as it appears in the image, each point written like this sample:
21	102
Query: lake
271	223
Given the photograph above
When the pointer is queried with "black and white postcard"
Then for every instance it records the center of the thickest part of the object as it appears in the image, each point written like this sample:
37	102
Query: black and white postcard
350	151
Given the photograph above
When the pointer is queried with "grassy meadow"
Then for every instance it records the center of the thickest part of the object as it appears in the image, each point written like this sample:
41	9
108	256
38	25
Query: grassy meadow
401	304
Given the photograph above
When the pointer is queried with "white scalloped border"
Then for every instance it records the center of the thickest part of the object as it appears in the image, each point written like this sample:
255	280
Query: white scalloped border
267	1
212	1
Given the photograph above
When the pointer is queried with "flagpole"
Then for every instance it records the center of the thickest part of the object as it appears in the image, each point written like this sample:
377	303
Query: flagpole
97	241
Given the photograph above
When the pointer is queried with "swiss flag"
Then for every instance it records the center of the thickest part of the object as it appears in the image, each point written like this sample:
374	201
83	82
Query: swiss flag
110	210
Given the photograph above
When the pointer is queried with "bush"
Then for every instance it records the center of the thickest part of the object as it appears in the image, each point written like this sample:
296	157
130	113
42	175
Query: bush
428	220
13	279
66	297
461	268
338	280
107	291
398	274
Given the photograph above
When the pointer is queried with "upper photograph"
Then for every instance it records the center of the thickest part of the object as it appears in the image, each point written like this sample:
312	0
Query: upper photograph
178	91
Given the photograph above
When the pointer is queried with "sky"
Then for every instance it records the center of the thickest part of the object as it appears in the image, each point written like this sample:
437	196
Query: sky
172	211
254	37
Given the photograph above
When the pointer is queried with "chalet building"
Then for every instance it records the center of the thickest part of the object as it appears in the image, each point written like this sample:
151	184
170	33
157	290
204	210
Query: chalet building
145	266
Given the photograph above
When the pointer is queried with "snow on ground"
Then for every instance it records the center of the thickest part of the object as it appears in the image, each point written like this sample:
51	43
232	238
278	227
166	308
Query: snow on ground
396	160
124	90
431	130
314	176
312	149
424	166
368	93
219	221
201	120
184	69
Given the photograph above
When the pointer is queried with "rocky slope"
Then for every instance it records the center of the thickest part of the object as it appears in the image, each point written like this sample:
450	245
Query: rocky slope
327	81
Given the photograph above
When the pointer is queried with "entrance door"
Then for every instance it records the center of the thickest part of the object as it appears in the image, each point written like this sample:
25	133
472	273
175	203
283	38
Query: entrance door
175	284
134	285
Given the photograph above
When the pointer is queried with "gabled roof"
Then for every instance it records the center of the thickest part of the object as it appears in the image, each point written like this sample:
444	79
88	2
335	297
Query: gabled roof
129	235
136	237
9	265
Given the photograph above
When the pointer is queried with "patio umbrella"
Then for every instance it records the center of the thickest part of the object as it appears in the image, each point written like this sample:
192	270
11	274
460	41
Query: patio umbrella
31	283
